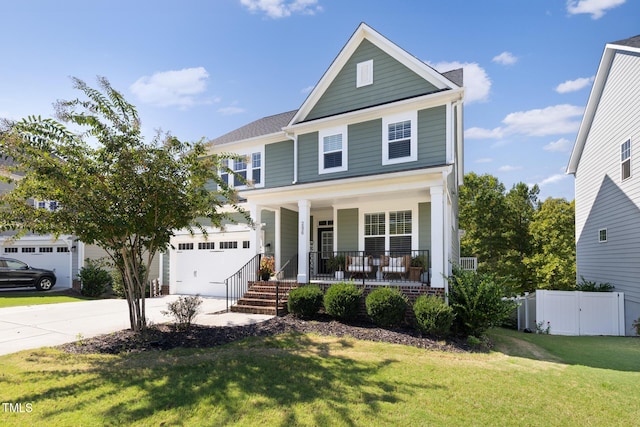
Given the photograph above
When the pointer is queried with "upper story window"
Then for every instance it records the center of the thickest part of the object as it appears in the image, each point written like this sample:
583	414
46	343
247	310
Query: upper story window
399	138
256	167
332	152
248	170
625	159
50	205
364	73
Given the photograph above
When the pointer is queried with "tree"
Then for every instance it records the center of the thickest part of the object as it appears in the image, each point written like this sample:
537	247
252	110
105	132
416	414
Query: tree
553	263
119	192
481	214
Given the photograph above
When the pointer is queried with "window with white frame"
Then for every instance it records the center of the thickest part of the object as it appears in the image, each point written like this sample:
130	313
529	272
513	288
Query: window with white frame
602	235
256	168
50	205
364	73
625	159
388	232
240	169
399	138
374	233
224	175
332	152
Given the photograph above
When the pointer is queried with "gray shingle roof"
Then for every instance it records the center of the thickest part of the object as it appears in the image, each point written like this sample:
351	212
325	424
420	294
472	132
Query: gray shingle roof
264	126
455	76
631	41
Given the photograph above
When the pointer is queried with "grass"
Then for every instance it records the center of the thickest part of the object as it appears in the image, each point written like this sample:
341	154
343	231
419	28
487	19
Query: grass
20	298
313	380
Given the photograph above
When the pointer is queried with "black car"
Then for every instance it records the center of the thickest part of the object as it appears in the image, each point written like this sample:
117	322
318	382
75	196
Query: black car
14	273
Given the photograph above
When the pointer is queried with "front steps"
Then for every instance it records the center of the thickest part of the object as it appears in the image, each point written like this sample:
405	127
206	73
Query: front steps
261	298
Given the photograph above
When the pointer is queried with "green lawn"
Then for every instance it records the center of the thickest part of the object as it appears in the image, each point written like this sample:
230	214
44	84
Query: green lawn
312	380
18	298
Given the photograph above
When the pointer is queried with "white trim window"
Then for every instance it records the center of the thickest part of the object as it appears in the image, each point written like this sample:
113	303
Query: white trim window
332	150
625	160
249	167
400	138
240	169
364	73
256	168
602	235
388	232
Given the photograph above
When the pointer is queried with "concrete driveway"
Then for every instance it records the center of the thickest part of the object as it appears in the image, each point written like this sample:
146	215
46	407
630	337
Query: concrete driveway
34	326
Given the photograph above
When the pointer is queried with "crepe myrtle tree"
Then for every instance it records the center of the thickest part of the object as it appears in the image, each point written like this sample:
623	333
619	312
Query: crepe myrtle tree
113	189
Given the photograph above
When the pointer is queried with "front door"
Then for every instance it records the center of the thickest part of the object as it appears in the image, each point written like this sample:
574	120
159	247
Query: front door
325	240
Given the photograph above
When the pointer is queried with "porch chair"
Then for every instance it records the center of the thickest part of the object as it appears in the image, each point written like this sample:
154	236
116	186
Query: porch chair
359	265
395	265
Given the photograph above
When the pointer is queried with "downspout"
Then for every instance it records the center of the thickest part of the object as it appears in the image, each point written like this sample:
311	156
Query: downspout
294	138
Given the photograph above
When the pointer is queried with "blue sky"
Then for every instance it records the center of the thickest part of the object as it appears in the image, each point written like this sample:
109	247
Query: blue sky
202	68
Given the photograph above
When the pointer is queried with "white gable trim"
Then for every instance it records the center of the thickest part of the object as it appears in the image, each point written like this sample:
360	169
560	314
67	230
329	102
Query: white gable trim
594	99
393	50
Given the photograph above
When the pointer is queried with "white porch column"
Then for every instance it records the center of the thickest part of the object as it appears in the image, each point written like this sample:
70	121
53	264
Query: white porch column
255	234
304	227
438	256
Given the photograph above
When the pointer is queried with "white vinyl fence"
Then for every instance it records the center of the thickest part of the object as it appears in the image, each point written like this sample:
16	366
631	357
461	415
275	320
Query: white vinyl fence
580	313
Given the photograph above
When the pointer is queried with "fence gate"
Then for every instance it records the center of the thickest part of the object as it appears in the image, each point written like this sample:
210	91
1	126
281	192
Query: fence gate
581	313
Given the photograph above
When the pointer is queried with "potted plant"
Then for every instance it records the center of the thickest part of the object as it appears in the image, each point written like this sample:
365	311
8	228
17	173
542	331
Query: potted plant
267	267
336	264
418	264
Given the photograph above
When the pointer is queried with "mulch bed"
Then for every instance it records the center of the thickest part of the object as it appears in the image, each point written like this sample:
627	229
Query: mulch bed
165	337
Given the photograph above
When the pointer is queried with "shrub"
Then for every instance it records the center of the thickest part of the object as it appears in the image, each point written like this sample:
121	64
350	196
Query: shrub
117	285
433	316
386	306
184	310
477	302
305	301
636	325
95	279
592	286
342	300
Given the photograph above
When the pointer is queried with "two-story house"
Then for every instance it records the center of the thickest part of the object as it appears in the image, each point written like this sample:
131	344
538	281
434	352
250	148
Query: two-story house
362	178
607	178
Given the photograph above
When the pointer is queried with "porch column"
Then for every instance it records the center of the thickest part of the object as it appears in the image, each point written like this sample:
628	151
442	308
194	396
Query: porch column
438	256
255	234
304	227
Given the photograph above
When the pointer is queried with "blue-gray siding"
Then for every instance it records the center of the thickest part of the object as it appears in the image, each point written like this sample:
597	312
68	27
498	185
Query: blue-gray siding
391	81
603	200
424	224
289	234
278	164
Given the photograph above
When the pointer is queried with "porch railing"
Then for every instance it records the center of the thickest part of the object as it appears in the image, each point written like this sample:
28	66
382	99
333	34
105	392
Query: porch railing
238	284
469	263
388	266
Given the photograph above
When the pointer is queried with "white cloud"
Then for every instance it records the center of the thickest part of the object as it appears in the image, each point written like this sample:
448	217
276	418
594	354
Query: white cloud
231	110
307	90
596	8
574	85
553	179
509	168
175	87
484	160
505	58
555	120
282	8
561	145
477	84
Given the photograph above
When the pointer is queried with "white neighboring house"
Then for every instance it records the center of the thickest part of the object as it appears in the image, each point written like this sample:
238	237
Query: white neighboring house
605	164
367	170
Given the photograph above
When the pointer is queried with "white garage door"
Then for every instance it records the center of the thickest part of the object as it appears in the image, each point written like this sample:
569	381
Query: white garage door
201	267
47	255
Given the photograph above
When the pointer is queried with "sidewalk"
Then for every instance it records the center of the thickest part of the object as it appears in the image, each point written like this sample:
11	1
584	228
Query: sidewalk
34	326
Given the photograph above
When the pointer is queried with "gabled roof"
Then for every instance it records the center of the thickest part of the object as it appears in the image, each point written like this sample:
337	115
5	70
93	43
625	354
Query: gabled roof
365	32
631	44
261	127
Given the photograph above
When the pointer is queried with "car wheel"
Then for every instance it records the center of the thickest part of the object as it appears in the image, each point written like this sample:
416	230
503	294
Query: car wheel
44	284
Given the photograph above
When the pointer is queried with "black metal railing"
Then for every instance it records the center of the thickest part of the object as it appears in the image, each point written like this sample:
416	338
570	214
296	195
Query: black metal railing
387	266
238	284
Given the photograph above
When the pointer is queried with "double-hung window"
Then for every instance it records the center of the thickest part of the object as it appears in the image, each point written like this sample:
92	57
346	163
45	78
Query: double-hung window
625	160
388	232
374	233
240	168
399	138
256	167
400	232
332	150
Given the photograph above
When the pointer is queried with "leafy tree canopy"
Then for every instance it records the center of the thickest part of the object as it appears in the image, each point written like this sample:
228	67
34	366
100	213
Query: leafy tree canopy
113	189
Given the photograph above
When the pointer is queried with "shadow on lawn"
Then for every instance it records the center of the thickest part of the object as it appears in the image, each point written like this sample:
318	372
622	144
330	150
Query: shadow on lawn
225	384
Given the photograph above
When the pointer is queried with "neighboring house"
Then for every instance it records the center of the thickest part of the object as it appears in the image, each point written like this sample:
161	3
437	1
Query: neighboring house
605	163
368	167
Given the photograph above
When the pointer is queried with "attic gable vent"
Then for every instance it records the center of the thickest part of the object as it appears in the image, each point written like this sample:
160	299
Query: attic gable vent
364	73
